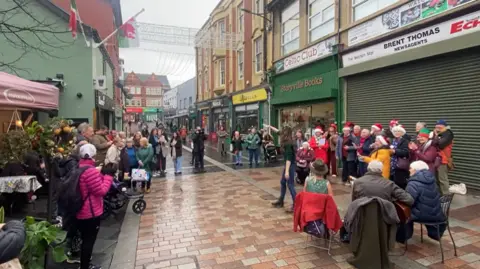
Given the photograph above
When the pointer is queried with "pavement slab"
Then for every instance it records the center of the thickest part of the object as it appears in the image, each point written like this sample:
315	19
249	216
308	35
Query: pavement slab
223	219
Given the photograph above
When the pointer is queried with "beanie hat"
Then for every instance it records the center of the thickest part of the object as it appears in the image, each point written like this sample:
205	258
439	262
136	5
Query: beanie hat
377	126
393	123
424	132
441	122
382	139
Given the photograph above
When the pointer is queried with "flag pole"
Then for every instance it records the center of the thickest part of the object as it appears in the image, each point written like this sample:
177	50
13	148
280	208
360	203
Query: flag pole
116	30
81	28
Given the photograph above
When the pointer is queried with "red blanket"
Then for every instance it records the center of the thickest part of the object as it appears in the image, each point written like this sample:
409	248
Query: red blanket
313	206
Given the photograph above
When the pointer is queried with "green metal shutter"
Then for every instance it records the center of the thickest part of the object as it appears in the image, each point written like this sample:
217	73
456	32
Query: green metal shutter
442	87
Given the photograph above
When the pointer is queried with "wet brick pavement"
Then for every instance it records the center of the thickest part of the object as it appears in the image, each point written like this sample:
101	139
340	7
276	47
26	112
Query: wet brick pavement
224	220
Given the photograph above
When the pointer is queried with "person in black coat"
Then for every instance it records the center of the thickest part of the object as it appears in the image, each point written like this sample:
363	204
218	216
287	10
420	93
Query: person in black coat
400	157
12	240
198	139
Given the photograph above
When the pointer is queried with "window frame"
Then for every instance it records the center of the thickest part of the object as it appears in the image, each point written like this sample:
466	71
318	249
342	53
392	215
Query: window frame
240	17
310	29
221	72
361	2
294	17
240	63
258	54
259	6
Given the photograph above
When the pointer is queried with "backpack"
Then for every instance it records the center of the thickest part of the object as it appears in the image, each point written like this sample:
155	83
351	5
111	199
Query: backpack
70	197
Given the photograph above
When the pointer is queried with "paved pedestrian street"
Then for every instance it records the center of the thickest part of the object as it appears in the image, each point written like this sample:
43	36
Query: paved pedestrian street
224	220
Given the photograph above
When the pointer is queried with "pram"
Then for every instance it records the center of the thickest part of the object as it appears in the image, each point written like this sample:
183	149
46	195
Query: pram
270	152
118	196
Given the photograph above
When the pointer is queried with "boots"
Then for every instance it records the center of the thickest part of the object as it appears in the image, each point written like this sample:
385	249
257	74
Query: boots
277	204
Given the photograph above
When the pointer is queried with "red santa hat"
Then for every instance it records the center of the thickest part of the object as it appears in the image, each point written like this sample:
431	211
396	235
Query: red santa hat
393	123
377	126
382	139
318	129
399	128
334	126
349	124
347	127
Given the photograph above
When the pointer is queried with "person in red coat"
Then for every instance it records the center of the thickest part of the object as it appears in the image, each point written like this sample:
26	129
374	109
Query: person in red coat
320	146
311	206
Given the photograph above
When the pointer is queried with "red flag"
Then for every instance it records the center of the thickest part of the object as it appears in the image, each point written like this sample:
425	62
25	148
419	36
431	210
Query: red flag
72	23
129	29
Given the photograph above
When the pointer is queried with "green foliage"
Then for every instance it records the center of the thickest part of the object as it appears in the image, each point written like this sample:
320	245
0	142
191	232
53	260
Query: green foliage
53	138
13	146
40	237
2	215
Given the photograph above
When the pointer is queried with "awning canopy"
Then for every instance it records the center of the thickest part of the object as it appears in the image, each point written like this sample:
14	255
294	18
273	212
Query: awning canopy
22	93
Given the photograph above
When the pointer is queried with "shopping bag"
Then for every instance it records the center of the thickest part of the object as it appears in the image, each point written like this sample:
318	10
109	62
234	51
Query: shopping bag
191	145
139	175
231	147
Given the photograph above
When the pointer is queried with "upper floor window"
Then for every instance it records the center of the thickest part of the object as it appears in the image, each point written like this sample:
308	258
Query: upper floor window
221	32
180	104
290	28
364	8
206	82
240	63
240	17
321	15
258	54
259	6
184	103
190	100
221	68
138	90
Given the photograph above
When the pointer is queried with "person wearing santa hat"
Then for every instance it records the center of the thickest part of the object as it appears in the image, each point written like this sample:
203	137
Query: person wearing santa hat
346	151
332	138
423	150
381	152
399	163
376	129
319	144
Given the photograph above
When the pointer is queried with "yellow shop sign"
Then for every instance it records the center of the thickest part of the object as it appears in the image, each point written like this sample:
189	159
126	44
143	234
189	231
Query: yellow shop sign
250	97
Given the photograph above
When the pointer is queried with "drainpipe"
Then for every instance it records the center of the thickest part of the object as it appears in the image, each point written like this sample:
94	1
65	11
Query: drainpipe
265	58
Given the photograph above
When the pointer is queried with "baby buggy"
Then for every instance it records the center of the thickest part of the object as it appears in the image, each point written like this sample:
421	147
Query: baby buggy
270	151
118	196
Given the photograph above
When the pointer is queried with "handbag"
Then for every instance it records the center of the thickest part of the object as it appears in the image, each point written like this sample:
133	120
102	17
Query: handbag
403	163
139	175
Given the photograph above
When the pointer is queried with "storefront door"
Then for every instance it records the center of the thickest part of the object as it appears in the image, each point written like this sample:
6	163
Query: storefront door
307	117
246	117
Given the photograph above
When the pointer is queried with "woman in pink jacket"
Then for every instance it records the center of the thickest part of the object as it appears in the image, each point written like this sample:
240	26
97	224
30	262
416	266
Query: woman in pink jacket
94	185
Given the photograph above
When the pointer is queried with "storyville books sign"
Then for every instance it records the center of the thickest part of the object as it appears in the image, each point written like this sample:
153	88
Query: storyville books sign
446	30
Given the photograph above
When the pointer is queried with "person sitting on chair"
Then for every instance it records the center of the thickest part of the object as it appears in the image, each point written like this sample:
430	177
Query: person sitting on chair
426	207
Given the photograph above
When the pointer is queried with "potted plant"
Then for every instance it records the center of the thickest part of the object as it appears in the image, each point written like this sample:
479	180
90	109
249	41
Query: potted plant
41	237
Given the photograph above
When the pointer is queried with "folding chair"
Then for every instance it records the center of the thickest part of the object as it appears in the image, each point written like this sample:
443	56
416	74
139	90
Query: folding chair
330	238
445	202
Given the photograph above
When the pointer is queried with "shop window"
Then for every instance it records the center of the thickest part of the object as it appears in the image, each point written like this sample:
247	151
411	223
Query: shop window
290	28
138	90
240	64
306	118
321	18
221	77
258	54
364	8
246	117
240	17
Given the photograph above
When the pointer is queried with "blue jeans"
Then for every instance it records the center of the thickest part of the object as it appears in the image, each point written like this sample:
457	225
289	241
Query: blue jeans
290	182
238	157
178	164
252	153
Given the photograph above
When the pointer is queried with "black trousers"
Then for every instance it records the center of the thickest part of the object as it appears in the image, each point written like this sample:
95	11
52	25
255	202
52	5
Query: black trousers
349	169
199	159
88	230
400	178
302	174
161	162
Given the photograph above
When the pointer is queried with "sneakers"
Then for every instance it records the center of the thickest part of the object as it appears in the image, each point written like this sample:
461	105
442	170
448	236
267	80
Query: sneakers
458	188
278	204
73	257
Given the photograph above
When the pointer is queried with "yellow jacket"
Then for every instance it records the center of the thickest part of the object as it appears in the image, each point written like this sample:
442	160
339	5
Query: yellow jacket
382	155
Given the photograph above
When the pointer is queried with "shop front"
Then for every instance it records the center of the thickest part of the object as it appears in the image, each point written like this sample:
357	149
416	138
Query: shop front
248	109
220	114
104	110
191	118
203	112
306	96
151	114
181	118
118	118
424	75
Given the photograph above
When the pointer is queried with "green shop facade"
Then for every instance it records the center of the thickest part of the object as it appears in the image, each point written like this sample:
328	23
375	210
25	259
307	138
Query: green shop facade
305	89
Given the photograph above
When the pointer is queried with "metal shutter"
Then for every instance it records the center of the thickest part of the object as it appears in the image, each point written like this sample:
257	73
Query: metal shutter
442	87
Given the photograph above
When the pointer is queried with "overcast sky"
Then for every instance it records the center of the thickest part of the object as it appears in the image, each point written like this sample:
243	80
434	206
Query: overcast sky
177	62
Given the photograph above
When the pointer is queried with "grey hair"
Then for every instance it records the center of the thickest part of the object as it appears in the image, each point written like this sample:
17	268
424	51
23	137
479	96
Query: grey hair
122	133
424	124
419	166
375	166
83	127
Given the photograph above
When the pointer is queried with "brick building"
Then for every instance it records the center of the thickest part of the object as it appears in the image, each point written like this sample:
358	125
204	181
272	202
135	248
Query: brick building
146	91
